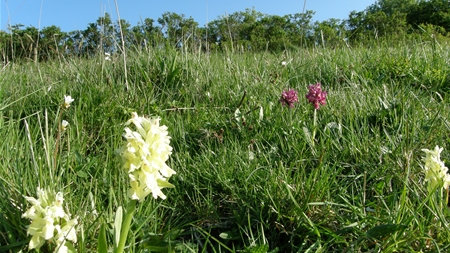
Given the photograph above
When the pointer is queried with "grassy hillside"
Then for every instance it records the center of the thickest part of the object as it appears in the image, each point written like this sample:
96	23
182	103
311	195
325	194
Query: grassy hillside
250	176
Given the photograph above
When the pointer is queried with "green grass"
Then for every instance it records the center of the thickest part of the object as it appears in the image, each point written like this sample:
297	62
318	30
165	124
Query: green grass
243	184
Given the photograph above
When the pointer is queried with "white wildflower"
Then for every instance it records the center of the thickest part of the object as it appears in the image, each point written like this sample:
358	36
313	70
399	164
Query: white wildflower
67	101
64	125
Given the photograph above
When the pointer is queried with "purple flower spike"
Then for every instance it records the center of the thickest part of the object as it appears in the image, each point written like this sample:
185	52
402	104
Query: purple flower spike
289	97
316	96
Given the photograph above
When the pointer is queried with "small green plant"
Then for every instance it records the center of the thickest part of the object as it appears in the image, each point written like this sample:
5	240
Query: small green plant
144	157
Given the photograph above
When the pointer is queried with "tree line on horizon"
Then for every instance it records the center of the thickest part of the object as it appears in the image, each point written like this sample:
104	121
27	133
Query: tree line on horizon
247	30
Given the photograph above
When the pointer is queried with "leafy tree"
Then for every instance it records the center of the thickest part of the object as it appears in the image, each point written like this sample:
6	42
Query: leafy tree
178	29
385	18
107	33
146	33
23	42
73	44
91	39
243	31
5	50
433	12
381	24
391	7
355	25
330	32
298	28
51	42
213	34
188	33
99	36
234	31
269	32
126	32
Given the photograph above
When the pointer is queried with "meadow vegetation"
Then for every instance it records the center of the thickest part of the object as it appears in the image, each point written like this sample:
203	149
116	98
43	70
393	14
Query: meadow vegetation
250	174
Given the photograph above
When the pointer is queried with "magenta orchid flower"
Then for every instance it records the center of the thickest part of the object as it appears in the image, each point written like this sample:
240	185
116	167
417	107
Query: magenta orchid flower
289	98
316	96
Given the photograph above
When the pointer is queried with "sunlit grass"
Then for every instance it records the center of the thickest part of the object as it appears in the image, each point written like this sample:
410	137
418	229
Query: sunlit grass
244	182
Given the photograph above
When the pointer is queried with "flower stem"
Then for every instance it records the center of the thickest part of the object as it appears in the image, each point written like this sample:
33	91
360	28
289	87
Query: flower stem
126	225
446	197
58	140
290	116
314	128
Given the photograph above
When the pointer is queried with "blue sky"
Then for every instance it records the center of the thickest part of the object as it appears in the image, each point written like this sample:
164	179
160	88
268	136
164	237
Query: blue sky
76	14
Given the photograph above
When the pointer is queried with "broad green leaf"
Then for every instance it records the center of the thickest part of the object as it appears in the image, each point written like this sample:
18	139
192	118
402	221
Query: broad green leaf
82	174
381	231
173	234
258	249
118	225
102	246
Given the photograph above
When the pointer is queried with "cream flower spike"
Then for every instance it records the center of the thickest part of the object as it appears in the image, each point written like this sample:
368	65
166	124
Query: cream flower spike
47	215
435	169
144	157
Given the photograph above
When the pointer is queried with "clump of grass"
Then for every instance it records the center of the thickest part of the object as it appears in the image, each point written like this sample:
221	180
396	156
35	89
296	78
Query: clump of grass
247	177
